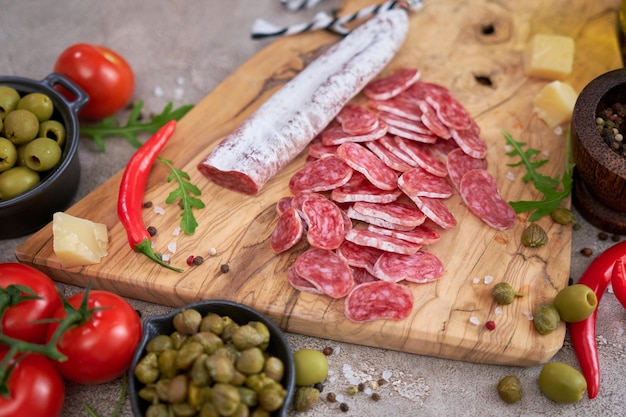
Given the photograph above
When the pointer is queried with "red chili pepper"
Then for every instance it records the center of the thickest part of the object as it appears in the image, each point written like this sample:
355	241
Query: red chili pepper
618	280
583	333
132	189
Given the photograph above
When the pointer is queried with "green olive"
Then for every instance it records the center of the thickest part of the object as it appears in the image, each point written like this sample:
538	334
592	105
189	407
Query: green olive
42	154
21	126
37	103
8	154
510	389
311	367
9	97
16	181
562	383
52	129
546	318
575	303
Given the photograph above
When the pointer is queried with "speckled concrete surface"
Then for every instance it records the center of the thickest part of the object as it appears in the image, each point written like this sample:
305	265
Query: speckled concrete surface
200	43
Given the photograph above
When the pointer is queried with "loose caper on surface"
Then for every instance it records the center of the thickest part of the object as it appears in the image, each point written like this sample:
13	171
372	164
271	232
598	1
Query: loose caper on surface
305	398
575	303
546	318
534	236
510	389
563	216
561	382
503	293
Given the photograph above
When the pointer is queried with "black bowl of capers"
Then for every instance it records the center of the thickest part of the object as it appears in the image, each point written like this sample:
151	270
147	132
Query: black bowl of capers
39	166
213	357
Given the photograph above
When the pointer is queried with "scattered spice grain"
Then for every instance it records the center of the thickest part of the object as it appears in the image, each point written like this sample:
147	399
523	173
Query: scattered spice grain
586	252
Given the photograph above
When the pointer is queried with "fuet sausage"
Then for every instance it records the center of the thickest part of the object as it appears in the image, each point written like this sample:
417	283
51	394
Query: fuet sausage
284	125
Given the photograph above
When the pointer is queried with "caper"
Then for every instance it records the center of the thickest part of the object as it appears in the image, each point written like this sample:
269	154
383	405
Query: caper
162	387
510	389
251	361
188	354
272	396
562	215
311	366
248	396
37	103
503	293
229	330
199	374
274	368
178	339
258	381
212	323
225	398
305	398
561	382
534	236
546	318
242	410
187	321
575	303
147	369
183	410
157	410
209	341
246	336
167	363
196	395
52	129
177	389
263	331
9	97
220	368
259	412
208	410
159	343
238	379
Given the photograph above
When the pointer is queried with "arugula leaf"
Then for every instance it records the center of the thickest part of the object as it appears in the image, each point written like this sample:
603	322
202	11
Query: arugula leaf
188	222
548	186
110	126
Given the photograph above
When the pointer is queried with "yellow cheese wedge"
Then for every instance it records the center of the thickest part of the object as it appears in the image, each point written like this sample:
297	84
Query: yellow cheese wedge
549	56
555	103
78	241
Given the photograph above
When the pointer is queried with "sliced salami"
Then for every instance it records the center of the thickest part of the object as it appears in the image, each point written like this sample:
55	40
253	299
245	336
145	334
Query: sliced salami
449	110
389	158
390	86
300	283
358	256
378	300
391	144
422	235
364	191
423	156
436	210
357	120
321	175
336	135
319	150
420	267
480	193
283	204
443	147
382	242
395	213
458	163
369	219
325	221
412	135
287	232
363	160
419	182
432	121
470	141
394	120
361	276
325	271
403	108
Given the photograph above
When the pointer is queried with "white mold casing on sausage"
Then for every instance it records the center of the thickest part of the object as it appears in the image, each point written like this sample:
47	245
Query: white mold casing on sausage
285	124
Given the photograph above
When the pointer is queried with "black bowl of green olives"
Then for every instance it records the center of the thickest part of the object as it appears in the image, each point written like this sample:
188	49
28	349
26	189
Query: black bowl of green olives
39	135
209	358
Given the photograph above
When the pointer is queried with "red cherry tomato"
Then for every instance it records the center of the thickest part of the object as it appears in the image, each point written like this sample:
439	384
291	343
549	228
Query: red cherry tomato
105	76
101	349
35	388
20	321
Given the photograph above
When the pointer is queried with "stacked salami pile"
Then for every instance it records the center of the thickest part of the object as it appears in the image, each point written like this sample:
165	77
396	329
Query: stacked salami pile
374	177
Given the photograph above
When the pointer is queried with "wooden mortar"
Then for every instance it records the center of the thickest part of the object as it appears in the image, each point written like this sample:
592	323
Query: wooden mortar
599	191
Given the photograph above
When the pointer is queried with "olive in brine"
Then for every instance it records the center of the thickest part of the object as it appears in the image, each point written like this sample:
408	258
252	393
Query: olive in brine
8	154
16	181
9	97
562	383
575	303
37	103
21	126
52	129
42	154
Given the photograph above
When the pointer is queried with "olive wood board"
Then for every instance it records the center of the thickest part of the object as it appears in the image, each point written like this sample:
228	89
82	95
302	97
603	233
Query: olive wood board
473	48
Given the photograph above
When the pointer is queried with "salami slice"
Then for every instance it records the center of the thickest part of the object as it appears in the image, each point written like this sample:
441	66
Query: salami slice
412	135
436	210
319	150
369	219
336	135
326	224
432	121
389	158
419	182
358	256
300	283
382	242
422	235
378	300
403	108
287	232
420	267
391	144
364	191
449	110
325	271
357	120
321	175
361	276
395	213
395	120
283	204
480	193
423	156
470	141
363	160
390	86
458	163
443	147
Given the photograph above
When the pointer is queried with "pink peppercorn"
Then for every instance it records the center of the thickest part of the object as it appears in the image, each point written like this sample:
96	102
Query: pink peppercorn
490	325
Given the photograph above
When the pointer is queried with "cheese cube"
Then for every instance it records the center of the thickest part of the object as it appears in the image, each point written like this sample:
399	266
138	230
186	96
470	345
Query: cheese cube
555	103
550	56
78	241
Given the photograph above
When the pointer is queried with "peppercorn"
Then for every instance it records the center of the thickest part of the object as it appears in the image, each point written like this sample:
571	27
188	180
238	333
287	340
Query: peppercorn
147	204
224	268
361	387
327	351
586	252
381	382
615	238
331	397
375	396
319	386
152	230
197	260
603	236
344	407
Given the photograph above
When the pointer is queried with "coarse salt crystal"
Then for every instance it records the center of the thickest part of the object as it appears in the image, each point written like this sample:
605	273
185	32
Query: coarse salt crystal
508	148
498	311
386	375
171	247
336	350
368	391
212	251
558	130
165	257
332	379
476	280
488	279
179	92
158	91
510	176
339	398
528	314
474	320
159	210
176	231
180	80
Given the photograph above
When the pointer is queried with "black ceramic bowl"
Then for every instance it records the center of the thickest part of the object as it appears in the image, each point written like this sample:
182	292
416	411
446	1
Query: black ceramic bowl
28	212
241	314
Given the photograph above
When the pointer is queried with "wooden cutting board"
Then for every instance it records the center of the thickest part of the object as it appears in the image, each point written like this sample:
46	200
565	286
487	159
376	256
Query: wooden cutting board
474	49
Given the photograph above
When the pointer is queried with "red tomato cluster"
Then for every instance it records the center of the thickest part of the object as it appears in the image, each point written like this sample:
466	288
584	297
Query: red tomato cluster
98	350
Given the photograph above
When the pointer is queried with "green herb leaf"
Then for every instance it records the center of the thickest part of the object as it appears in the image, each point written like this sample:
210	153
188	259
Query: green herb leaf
110	126
185	192
548	186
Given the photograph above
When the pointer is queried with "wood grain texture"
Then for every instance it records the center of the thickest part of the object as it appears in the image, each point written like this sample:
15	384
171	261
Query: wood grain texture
473	48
